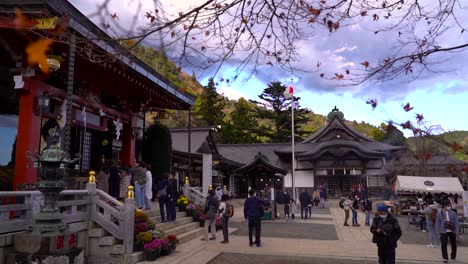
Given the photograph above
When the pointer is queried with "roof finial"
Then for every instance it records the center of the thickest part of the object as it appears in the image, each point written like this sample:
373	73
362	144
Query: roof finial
335	112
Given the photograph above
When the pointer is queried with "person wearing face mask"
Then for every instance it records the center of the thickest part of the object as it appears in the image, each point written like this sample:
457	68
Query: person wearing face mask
448	225
386	231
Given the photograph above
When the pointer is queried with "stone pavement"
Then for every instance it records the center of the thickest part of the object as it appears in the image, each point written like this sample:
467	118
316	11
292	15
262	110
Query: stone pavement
354	243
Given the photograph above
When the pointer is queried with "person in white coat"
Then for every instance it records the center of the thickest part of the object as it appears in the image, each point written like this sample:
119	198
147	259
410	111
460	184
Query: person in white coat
148	188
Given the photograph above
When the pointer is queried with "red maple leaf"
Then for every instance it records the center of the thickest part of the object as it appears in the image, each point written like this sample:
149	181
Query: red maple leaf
419	117
456	147
372	102
408	107
427	156
406	125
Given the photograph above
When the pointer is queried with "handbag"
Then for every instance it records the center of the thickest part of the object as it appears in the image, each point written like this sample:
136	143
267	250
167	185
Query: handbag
450	226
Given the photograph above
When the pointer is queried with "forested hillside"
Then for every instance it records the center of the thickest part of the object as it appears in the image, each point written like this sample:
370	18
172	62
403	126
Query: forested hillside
159	61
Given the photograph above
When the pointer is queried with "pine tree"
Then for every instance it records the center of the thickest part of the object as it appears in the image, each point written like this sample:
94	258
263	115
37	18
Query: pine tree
209	106
278	109
157	150
241	126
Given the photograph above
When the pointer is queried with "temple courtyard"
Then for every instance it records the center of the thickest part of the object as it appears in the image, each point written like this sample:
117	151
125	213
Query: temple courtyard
321	239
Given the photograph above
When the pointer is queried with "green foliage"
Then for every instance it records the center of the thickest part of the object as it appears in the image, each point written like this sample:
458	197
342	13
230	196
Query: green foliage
157	149
431	146
276	108
209	106
379	133
241	127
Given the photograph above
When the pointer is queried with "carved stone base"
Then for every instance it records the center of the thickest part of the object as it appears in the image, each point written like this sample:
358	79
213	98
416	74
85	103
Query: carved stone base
73	256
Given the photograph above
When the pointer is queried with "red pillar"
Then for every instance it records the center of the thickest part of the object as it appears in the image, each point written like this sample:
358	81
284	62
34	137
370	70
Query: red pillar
128	142
29	132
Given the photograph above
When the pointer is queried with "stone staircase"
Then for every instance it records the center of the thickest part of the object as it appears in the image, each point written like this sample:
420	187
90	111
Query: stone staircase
105	249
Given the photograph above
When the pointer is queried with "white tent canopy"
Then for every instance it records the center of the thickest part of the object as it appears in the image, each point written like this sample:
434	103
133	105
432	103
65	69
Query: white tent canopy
420	184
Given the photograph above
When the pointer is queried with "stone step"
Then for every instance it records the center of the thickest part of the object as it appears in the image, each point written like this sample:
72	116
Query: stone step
97	232
178	222
134	257
178	230
157	218
192	234
110	259
95	249
108	241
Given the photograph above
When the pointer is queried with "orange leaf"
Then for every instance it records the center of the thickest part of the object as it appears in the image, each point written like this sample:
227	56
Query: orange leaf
21	21
36	53
456	147
183	89
365	64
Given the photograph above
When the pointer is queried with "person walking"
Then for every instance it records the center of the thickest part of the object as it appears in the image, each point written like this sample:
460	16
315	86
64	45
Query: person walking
139	177
287	204
172	196
304	199
161	194
354	209
223	207
316	198
431	217
211	206
148	188
280	202
322	196
346	207
253	209
368	210
449	226
386	231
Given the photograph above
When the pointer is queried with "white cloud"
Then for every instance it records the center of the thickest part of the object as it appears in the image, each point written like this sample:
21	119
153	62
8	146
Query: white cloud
345	48
231	93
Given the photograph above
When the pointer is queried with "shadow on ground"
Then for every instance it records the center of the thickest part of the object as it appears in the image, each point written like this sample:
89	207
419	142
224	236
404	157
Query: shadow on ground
235	258
291	230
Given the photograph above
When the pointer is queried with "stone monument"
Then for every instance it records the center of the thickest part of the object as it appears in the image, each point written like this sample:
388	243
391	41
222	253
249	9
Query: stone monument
48	239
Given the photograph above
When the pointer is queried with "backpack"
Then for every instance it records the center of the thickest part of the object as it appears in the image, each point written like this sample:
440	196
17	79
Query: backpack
229	210
434	215
341	203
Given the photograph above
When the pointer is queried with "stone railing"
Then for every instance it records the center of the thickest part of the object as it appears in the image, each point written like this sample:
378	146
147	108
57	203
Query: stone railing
78	207
194	194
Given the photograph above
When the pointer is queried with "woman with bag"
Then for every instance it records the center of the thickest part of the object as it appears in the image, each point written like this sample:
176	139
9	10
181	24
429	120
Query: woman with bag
211	206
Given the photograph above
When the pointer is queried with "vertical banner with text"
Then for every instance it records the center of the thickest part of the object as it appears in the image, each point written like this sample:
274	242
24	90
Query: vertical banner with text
465	203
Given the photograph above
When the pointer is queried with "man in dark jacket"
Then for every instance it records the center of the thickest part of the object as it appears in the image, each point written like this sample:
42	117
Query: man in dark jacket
386	232
304	198
280	200
161	194
253	207
172	196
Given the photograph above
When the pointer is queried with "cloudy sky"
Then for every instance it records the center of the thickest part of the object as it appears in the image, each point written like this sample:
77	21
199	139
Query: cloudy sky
441	97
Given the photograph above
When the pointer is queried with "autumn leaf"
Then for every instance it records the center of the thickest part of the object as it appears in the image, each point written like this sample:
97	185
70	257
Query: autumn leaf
312	20
372	102
183	89
269	63
408	107
339	76
427	156
114	16
456	147
129	42
207	33
365	64
173	34
364	13
20	21
36	53
419	117
347	71
244	21
315	12
322	74
375	17
218	6
203	48
406	125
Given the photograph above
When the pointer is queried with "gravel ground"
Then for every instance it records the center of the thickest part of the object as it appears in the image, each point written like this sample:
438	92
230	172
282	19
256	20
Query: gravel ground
234	258
291	230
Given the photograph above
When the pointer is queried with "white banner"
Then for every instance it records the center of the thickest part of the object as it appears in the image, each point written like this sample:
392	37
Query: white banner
465	203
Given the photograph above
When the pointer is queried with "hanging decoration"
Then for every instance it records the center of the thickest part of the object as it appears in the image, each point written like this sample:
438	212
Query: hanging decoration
118	128
83	115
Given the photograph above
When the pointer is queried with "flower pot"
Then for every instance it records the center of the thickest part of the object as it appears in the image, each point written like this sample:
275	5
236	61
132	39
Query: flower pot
189	213
166	252
152	255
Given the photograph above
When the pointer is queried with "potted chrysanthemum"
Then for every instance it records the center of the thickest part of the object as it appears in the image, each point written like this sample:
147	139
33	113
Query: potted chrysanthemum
153	249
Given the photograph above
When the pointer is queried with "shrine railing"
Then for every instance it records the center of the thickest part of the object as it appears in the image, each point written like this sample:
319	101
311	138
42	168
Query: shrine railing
77	206
195	195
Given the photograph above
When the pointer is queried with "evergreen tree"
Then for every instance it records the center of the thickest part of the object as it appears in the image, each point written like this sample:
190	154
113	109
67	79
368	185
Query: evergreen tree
209	106
157	150
278	109
240	128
